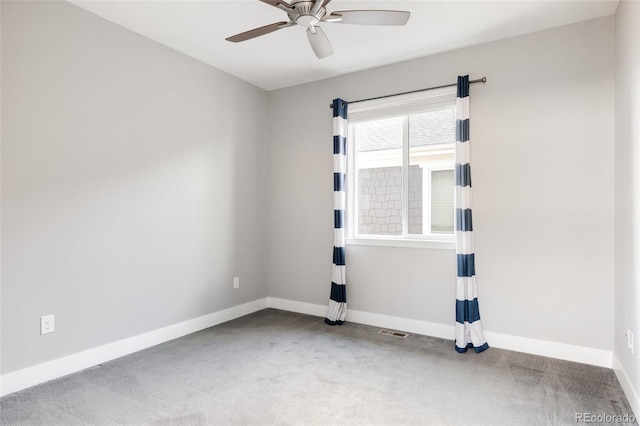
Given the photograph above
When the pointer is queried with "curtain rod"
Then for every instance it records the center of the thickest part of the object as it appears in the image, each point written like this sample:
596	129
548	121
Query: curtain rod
479	80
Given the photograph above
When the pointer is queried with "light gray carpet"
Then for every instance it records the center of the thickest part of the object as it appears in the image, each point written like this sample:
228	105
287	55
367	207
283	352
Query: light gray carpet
280	368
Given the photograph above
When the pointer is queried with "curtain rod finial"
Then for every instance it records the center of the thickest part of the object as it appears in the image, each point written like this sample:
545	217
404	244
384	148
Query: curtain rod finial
343	104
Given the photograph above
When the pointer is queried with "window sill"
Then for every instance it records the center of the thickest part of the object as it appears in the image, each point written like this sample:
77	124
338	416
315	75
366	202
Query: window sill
395	242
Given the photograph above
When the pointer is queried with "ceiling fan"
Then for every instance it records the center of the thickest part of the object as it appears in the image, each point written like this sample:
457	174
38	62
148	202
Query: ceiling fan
309	13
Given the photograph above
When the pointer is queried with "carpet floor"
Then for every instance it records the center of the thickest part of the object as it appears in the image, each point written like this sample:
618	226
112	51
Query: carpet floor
281	368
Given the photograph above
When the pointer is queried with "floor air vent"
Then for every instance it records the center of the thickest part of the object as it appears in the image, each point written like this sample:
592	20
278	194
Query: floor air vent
393	333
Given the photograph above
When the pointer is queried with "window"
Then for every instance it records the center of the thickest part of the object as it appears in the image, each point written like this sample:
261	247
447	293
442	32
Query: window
401	168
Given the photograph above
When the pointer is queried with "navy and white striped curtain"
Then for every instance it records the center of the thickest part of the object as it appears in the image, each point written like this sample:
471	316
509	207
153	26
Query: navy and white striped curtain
338	299
469	332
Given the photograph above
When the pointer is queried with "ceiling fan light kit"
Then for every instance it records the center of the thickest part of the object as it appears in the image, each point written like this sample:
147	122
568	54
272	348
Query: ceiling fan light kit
308	14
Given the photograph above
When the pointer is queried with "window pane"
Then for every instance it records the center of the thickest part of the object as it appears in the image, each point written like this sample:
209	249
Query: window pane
442	196
431	146
416	196
378	146
432	128
379	135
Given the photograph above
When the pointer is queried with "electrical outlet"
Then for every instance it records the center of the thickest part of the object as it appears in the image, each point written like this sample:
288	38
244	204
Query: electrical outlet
47	324
236	282
630	340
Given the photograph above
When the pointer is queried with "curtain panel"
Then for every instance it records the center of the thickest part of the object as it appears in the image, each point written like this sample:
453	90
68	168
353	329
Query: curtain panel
338	299
469	333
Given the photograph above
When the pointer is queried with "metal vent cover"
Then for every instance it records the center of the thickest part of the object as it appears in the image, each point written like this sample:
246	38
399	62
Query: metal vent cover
393	333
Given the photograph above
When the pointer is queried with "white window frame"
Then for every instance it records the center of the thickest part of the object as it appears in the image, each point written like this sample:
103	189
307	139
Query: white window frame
402	105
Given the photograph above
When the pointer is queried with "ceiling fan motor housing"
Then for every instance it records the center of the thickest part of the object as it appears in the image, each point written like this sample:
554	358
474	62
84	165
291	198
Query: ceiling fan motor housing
304	15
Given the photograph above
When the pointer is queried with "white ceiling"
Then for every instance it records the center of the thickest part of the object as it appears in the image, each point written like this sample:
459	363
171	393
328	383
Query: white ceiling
284	58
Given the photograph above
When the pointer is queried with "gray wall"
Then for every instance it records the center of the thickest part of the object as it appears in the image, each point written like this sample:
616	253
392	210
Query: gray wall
131	175
543	174
627	294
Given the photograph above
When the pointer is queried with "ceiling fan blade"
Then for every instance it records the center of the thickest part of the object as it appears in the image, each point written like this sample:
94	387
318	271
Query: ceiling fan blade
276	3
316	6
369	17
256	32
319	43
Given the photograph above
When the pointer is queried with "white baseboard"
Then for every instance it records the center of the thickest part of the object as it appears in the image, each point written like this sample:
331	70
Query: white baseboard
585	355
367	318
403	324
299	307
632	394
22	379
581	354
